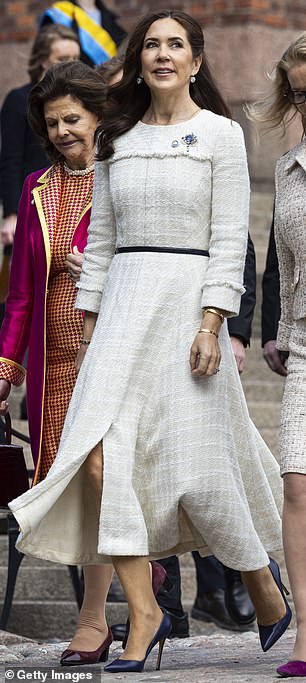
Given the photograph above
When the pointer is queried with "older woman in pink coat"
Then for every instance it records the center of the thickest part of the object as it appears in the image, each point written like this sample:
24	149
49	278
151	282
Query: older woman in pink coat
51	233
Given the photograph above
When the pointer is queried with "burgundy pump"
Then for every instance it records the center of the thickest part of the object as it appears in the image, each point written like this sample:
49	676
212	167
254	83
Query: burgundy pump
78	657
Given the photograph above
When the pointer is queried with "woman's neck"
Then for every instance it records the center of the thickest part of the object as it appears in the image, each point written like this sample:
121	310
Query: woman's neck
165	110
80	164
87	4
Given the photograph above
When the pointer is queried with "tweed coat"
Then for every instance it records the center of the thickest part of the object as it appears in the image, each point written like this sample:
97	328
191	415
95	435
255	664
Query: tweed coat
290	236
24	325
290	213
183	465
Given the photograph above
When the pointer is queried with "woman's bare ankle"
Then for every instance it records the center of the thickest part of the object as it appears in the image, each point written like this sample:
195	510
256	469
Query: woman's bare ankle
265	595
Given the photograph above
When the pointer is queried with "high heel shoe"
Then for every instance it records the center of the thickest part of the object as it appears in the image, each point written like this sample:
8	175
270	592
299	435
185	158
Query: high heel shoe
78	657
125	665
270	634
159	579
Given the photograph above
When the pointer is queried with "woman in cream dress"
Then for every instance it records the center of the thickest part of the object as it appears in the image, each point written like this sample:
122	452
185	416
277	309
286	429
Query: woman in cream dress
183	465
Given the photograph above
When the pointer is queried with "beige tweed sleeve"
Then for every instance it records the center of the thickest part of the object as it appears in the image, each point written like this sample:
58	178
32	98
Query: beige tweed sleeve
101	243
286	263
229	221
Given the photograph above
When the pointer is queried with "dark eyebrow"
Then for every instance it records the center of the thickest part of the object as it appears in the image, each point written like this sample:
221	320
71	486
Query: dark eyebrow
172	38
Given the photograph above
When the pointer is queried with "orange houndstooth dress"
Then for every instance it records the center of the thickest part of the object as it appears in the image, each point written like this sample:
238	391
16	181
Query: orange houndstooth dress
64	322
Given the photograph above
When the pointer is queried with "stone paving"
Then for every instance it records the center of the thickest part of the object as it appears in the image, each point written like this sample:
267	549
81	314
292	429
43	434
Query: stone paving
223	657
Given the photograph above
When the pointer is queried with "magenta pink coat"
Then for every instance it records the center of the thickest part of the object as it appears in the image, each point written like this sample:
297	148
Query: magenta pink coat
24	325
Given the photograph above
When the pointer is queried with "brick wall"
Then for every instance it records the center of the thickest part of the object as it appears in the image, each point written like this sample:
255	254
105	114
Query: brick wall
18	19
243	39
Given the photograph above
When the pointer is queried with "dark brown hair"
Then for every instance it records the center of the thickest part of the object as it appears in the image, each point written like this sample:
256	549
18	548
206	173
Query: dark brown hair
76	79
127	101
42	47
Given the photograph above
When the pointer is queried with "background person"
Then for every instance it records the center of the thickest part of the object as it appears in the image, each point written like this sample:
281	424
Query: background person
21	150
65	107
96	26
270	311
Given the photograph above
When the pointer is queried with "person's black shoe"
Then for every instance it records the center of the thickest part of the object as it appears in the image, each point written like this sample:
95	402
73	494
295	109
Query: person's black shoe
211	607
180	626
237	600
118	631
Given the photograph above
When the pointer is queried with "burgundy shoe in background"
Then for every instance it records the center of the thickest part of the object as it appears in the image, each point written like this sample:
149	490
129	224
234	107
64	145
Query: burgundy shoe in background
159	577
293	669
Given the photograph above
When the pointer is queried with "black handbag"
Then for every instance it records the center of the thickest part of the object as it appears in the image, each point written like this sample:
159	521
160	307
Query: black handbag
13	471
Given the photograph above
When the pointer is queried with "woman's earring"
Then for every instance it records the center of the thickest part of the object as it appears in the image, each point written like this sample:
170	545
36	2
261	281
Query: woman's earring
139	80
192	79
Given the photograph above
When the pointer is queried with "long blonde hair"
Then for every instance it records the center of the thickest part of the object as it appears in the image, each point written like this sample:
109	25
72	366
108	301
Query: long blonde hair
274	109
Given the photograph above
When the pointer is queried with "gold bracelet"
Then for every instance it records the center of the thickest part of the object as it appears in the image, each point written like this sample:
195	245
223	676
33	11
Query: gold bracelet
213	310
204	329
85	342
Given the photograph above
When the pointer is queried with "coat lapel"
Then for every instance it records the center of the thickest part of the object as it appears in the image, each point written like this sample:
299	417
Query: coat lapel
47	198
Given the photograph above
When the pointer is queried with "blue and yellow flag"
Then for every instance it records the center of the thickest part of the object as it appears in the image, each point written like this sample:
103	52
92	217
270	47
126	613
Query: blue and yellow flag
95	41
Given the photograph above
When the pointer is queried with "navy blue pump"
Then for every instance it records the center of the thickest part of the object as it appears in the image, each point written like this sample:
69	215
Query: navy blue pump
270	634
125	665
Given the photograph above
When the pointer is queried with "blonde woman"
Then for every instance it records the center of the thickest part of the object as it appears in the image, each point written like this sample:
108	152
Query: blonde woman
286	100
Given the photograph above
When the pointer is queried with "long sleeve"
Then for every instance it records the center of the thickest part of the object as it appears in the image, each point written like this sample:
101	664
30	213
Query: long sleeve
15	330
229	221
101	243
286	263
241	325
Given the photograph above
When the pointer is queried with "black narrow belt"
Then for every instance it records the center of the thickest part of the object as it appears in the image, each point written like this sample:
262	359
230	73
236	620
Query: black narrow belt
167	250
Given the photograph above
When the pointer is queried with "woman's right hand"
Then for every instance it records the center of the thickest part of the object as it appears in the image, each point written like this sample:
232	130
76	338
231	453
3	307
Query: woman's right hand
5	388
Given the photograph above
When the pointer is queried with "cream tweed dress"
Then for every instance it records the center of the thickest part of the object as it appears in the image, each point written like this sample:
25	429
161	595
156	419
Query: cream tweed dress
290	236
183	465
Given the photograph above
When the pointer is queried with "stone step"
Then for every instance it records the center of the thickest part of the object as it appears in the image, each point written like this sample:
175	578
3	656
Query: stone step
37	583
53	584
54	619
257	391
264	414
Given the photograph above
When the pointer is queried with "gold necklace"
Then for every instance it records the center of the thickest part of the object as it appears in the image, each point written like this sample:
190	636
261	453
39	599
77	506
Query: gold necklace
173	122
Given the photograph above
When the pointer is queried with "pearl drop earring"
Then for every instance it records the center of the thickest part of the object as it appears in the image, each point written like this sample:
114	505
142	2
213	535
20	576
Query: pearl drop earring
139	80
192	79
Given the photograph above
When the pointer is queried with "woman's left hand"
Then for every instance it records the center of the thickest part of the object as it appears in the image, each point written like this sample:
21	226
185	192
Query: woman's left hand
205	355
74	262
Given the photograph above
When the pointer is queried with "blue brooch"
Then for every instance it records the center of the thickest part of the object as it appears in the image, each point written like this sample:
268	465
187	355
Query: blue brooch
189	139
